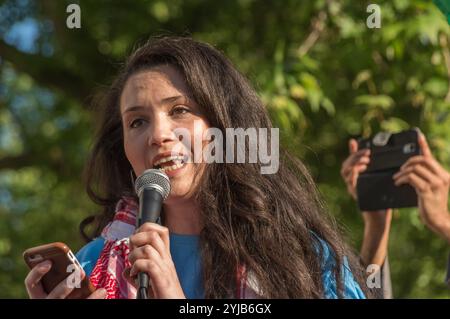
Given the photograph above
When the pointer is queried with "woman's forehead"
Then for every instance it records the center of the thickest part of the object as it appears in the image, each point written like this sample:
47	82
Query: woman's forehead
153	86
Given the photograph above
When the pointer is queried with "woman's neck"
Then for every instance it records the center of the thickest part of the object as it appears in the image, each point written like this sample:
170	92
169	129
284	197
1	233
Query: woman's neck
182	217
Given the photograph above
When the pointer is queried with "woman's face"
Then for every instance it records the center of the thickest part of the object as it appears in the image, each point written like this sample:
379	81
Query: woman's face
154	103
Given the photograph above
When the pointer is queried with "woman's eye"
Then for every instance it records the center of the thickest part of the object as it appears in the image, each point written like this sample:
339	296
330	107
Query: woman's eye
179	110
136	123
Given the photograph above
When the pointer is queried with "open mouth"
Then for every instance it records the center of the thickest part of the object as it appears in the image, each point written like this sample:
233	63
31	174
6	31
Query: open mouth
170	163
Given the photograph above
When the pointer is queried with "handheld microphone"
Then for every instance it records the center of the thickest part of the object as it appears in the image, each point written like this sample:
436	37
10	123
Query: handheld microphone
152	188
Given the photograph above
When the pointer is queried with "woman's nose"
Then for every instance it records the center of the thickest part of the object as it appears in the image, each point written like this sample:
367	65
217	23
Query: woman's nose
161	131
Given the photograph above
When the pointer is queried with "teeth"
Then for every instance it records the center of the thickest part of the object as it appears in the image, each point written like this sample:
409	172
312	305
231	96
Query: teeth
174	158
173	167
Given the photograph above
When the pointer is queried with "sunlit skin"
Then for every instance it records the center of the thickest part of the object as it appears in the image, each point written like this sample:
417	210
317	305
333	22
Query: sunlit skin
153	104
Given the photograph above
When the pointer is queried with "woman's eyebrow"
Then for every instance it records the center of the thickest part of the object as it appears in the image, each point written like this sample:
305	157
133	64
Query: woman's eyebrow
133	109
165	100
174	98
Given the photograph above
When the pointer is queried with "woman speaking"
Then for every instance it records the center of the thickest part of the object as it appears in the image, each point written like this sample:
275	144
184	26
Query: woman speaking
226	230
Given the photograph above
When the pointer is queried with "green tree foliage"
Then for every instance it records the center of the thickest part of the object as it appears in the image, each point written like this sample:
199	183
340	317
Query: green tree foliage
323	74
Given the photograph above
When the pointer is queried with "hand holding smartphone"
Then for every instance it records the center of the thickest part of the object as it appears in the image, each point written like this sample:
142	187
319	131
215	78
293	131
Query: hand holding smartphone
56	273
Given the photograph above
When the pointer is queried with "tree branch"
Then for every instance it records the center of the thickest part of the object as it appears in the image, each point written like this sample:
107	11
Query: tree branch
46	72
16	162
318	26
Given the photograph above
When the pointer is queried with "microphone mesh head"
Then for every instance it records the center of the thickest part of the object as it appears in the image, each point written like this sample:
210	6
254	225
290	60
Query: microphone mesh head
153	178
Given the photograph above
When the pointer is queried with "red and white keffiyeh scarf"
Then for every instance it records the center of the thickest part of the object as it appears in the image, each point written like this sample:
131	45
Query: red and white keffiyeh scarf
113	260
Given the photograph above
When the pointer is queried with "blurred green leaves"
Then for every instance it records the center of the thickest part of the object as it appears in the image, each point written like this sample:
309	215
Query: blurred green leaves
324	76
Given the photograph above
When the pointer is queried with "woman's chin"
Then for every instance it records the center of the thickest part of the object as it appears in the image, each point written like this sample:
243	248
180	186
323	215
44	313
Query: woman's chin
181	182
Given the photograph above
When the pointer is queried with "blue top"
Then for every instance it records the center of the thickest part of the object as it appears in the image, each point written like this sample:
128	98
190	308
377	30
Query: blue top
186	257
352	290
88	255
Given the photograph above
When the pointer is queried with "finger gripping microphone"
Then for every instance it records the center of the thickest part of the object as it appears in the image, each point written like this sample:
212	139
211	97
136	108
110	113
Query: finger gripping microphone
152	188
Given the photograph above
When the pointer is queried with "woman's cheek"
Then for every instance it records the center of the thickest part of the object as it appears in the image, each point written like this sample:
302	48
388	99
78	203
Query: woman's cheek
132	152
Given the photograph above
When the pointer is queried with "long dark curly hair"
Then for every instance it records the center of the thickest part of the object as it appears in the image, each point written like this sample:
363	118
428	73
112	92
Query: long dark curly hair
266	222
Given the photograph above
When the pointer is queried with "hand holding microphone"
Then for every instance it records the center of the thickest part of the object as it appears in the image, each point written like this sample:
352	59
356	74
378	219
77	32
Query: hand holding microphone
149	246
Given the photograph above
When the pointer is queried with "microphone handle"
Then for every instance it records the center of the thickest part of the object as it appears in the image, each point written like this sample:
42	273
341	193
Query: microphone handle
150	203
